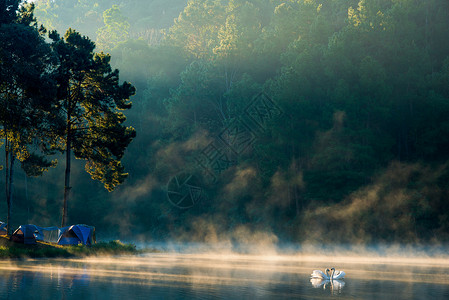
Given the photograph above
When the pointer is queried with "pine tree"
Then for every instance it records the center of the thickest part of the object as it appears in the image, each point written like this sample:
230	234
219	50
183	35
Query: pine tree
90	99
25	89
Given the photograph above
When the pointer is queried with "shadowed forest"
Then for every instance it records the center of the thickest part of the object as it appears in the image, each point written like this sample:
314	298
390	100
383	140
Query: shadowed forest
257	121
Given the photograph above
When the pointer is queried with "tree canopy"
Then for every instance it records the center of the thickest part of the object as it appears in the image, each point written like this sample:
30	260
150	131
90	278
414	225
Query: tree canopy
26	82
90	98
60	96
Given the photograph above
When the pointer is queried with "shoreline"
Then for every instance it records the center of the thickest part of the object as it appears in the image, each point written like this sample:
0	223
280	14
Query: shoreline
13	250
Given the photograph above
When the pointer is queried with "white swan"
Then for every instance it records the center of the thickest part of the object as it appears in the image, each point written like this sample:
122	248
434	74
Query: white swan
337	274
320	275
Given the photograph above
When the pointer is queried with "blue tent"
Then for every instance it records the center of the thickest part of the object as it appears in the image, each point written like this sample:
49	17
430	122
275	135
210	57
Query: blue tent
29	234
2	227
76	234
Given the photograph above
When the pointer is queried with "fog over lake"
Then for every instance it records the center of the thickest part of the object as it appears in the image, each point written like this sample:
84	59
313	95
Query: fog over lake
224	276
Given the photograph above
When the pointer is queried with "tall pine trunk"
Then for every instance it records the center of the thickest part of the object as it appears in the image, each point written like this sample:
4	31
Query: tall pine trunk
9	162
67	187
10	191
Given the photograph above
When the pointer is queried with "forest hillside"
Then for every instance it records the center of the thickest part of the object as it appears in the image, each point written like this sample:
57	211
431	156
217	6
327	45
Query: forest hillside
266	121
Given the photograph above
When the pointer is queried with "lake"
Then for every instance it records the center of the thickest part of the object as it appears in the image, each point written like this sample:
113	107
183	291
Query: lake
215	276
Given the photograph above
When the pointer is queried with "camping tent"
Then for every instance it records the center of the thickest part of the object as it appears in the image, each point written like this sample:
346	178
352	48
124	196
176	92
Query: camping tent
76	234
29	234
2	228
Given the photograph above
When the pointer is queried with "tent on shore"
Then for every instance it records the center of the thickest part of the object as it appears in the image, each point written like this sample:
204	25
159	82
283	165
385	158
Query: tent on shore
2	228
29	234
77	234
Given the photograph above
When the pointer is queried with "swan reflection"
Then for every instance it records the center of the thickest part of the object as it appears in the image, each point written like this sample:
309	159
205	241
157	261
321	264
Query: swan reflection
335	285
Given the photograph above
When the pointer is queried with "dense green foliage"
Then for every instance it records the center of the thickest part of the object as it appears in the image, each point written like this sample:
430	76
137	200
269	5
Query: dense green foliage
58	97
90	99
353	146
26	91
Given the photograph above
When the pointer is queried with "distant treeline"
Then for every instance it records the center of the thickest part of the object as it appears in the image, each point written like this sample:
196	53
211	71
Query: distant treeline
301	120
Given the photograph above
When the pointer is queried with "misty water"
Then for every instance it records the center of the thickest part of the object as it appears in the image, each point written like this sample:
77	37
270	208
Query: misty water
220	276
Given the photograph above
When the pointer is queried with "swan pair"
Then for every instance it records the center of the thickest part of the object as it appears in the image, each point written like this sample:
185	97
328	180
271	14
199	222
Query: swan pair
334	275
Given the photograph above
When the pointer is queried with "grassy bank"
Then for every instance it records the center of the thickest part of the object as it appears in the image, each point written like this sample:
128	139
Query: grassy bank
10	249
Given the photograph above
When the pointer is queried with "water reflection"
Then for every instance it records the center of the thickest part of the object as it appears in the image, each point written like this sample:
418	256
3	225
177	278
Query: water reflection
184	276
335	286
